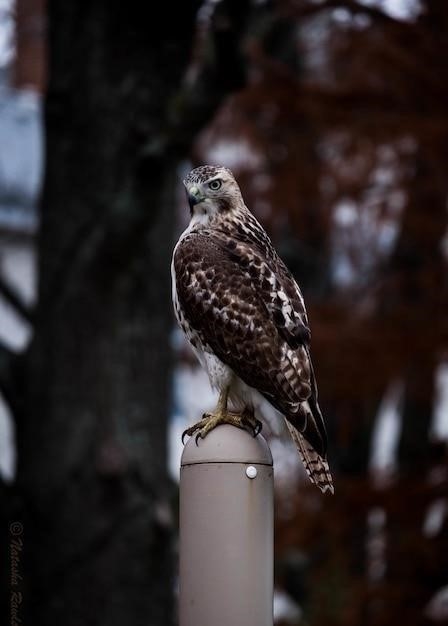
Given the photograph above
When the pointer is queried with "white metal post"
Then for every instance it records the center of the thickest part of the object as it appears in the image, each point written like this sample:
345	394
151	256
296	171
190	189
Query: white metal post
226	530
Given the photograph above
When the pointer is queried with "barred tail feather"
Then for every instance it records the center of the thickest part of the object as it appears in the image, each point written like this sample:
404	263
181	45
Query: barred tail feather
316	467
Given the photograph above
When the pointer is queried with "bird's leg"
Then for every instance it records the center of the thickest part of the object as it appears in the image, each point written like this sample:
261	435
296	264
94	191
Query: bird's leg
221	415
209	421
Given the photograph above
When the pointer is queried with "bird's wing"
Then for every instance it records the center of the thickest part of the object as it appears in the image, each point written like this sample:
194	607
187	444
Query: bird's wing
281	294
227	295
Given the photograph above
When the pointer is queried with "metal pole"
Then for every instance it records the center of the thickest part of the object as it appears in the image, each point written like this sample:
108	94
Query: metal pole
226	530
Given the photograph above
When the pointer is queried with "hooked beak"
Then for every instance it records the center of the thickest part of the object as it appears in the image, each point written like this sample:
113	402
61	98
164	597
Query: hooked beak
194	195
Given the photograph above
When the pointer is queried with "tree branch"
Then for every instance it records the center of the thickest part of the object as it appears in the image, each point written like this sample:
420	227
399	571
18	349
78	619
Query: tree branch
217	70
14	299
9	367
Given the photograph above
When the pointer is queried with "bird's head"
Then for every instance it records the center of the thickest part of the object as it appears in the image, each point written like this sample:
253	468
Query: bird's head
211	191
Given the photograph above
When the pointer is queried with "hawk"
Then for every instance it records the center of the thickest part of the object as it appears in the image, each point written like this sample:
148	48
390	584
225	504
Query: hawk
244	316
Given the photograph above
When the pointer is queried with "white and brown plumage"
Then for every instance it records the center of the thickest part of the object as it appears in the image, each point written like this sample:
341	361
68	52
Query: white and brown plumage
244	315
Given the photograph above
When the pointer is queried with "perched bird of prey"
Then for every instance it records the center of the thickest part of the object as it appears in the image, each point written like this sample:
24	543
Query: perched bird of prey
244	316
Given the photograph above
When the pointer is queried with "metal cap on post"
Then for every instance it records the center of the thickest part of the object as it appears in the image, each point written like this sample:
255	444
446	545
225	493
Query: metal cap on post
226	530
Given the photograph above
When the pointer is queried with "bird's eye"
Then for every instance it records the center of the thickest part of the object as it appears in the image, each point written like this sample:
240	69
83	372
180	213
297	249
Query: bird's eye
214	185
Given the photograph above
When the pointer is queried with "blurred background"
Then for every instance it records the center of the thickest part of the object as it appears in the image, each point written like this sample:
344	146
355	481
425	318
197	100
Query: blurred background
333	117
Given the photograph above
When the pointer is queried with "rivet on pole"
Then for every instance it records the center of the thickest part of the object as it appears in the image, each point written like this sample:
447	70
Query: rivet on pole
251	471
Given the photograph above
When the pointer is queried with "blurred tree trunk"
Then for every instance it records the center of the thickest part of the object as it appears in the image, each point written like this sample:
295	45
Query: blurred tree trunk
417	287
92	443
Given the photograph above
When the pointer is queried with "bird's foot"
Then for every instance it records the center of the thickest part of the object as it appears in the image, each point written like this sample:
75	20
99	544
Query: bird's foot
250	422
210	421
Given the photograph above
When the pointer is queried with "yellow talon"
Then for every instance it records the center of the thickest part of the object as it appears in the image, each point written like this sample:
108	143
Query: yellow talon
210	421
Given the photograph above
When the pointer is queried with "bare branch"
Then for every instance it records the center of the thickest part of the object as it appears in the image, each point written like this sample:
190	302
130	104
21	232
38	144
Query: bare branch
217	70
15	300
9	367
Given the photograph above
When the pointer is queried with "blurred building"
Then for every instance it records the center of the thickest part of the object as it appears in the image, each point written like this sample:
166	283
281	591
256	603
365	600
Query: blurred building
21	164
